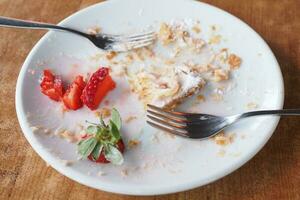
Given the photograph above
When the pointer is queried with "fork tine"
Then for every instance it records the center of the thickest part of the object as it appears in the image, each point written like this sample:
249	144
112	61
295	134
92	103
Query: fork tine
124	37
150	33
167	123
141	45
139	41
173	114
152	37
167	117
173	131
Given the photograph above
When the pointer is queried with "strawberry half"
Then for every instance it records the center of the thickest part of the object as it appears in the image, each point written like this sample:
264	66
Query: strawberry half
51	85
72	96
103	143
97	88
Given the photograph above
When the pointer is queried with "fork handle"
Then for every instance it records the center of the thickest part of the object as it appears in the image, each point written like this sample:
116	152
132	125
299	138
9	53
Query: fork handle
17	23
295	112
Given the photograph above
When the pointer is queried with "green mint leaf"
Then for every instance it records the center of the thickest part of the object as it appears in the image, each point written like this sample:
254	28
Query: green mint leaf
86	147
97	151
113	155
116	118
114	130
102	122
92	129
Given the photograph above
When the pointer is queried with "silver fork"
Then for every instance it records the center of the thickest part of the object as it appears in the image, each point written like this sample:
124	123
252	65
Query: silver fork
201	126
106	42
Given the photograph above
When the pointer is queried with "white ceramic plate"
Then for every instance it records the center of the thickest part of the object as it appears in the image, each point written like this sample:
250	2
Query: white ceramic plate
168	165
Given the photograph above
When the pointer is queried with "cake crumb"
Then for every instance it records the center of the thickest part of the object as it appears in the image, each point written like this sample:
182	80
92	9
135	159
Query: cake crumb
101	173
217	97
104	112
166	34
94	30
215	39
201	98
221	153
31	71
34	129
65	134
196	29
220	75
67	162
224	139
234	61
130	118
110	55
252	105
124	172
133	143
47	131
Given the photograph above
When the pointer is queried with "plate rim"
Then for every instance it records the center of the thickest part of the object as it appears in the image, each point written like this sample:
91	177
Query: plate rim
82	179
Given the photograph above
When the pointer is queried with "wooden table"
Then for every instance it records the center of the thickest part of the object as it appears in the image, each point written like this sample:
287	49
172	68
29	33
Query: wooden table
274	173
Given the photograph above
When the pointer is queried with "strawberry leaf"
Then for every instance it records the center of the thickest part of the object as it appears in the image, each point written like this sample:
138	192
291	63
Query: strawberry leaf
102	123
114	130
113	155
97	151
92	129
116	118
86	147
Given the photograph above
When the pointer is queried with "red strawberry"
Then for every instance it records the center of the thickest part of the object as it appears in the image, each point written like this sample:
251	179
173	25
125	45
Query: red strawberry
120	146
97	87
51	85
72	96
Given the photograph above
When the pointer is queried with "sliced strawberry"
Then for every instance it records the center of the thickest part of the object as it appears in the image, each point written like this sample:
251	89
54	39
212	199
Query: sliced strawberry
97	88
51	85
72	96
120	145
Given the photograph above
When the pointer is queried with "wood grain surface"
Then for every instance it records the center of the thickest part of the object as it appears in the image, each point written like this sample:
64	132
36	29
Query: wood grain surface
274	173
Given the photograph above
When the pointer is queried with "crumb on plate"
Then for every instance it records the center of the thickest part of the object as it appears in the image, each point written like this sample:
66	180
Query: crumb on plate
133	143
130	118
220	75
124	172
224	139
196	28
166	34
252	105
104	112
110	55
234	61
215	39
221	153
201	98
101	173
